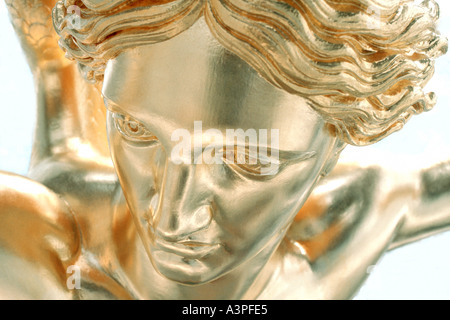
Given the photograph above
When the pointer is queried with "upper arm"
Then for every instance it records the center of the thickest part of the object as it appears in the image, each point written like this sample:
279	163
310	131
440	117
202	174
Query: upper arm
39	240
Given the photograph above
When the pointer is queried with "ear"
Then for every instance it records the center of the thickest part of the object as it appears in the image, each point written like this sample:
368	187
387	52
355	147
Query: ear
335	152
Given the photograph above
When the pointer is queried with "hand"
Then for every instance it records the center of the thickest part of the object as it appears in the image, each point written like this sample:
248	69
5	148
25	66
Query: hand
32	21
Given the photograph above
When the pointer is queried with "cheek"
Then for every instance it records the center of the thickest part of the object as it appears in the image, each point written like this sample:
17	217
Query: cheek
299	181
258	209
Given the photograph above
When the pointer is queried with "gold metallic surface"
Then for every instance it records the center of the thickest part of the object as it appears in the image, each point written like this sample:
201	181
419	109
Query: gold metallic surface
147	219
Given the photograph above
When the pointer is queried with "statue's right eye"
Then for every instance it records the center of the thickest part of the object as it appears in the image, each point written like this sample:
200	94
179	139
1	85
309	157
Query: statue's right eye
132	130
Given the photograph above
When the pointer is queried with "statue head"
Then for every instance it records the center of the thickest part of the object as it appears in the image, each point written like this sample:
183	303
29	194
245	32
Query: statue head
184	80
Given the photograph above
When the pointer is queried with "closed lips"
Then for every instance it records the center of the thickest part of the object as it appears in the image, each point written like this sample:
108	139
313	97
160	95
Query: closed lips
187	249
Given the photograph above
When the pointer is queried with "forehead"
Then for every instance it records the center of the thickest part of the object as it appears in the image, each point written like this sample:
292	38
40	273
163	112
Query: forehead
192	77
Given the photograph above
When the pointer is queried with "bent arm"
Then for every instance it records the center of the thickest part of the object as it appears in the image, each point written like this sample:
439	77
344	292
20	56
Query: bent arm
70	112
39	240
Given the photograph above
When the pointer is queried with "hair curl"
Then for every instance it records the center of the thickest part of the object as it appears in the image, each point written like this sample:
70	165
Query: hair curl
362	64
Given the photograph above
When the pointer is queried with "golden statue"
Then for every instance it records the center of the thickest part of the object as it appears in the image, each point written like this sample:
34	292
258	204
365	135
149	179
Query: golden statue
224	120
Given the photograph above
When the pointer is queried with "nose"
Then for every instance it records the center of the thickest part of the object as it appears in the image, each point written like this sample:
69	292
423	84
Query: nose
184	207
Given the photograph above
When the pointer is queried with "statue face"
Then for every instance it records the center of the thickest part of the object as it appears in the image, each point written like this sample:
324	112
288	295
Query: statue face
199	220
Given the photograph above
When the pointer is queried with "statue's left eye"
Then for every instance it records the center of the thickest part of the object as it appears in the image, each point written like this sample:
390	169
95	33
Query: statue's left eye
254	165
132	129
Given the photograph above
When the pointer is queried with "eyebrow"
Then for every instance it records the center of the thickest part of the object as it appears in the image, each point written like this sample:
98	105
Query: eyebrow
296	156
111	105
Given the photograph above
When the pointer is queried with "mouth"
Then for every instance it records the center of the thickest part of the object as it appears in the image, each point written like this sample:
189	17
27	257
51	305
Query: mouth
186	248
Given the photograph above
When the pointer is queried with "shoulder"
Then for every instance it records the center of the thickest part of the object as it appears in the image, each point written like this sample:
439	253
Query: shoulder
343	228
337	204
39	239
346	187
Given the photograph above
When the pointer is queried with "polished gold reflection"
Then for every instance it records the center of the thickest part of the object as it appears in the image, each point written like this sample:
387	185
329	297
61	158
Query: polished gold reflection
176	209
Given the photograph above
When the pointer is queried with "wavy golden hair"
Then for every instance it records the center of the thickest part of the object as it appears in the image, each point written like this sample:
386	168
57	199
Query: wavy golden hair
362	64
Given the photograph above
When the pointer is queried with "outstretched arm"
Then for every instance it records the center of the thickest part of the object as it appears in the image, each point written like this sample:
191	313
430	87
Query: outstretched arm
429	213
354	216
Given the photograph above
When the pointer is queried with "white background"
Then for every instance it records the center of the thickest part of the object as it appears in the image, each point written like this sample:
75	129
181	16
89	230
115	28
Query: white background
417	271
